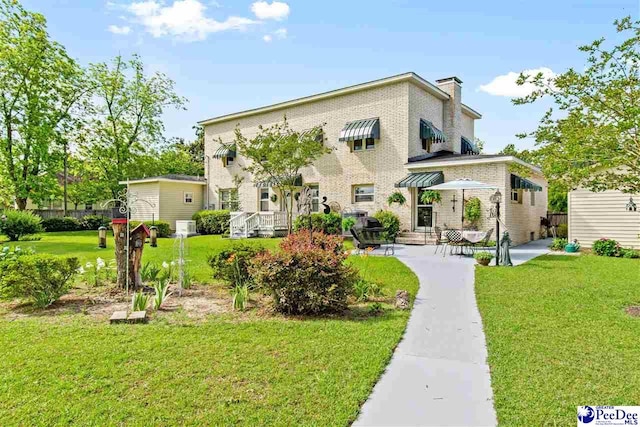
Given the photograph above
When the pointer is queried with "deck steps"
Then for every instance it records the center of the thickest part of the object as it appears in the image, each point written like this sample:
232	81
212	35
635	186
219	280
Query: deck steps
416	238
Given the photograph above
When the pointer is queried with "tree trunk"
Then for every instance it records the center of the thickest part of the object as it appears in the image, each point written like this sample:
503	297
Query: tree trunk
21	203
120	237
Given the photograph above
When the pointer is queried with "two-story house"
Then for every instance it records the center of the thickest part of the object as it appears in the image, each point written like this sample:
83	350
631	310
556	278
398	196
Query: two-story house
400	133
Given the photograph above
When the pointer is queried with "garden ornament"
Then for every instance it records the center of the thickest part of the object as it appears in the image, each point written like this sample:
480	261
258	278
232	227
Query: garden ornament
505	243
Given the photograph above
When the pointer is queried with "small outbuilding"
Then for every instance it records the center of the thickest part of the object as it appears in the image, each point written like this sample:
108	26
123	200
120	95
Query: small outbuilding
608	214
170	198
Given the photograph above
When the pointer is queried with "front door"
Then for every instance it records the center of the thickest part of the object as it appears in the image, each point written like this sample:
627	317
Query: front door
423	213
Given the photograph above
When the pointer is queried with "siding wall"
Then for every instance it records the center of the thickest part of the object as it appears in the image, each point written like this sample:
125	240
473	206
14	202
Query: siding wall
524	219
148	191
596	215
172	205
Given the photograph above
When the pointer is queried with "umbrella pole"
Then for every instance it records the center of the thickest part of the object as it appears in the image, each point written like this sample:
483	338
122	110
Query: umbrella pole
462	215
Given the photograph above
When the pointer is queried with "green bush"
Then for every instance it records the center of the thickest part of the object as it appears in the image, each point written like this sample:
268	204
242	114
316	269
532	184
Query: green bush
164	229
562	231
41	279
606	247
484	255
231	265
9	254
330	223
212	222
390	222
629	253
16	224
66	223
348	222
93	222
305	276
558	244
472	210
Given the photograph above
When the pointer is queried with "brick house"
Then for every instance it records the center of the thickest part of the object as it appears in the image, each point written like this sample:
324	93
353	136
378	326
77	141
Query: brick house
400	133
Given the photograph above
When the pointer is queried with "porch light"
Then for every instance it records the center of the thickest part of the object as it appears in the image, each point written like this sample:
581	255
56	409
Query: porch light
102	237
631	206
496	197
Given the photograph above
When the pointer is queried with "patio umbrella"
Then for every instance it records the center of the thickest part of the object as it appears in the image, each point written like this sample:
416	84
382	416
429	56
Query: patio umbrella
463	184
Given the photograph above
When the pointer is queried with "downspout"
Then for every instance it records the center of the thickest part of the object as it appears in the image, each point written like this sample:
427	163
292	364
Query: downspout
208	181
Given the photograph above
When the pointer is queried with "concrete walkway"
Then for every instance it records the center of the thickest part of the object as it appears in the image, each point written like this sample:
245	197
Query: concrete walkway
438	375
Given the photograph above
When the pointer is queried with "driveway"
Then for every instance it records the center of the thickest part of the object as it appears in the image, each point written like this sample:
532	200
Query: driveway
438	375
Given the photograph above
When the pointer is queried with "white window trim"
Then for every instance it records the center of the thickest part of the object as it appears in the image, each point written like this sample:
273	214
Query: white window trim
222	201
364	145
184	197
372	194
260	199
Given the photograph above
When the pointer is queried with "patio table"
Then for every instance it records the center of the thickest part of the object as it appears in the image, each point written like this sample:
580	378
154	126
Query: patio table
473	236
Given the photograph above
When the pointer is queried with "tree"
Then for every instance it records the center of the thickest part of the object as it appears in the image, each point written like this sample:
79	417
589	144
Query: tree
39	86
125	117
83	187
277	154
593	142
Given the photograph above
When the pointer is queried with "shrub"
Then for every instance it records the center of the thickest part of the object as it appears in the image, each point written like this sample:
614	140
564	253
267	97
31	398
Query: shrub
558	244
8	254
562	231
472	210
348	222
330	223
66	223
305	276
42	279
164	229
231	264
390	222
629	253
17	224
606	247
212	222
93	222
483	256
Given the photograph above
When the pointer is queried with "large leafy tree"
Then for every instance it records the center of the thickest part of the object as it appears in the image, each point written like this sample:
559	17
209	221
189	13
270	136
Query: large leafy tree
83	187
590	139
278	153
125	117
39	86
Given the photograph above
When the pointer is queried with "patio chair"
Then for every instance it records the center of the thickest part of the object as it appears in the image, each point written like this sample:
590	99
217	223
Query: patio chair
441	239
454	239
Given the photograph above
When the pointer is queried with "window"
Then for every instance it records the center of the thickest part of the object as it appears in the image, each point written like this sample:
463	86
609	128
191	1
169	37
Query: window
516	195
315	197
225	199
363	193
370	144
533	198
188	197
357	145
264	200
229	161
426	144
88	206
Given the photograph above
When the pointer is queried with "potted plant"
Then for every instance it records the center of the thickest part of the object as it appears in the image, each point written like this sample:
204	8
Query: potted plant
429	197
572	247
396	197
483	258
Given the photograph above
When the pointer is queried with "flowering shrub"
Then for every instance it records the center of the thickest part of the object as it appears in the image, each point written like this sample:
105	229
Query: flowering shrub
606	247
231	265
306	276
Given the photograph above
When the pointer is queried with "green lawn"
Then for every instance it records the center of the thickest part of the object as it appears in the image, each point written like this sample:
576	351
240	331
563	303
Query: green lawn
229	369
559	337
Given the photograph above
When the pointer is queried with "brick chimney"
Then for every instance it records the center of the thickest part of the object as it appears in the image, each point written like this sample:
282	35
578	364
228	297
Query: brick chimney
452	113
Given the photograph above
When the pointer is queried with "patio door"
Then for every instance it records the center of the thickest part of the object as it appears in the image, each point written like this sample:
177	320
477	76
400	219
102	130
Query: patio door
423	213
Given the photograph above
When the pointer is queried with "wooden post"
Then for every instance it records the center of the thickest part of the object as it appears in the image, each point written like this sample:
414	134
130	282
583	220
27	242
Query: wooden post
119	226
137	238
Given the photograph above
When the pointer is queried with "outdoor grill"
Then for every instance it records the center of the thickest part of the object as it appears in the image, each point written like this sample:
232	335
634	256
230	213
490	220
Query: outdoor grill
368	232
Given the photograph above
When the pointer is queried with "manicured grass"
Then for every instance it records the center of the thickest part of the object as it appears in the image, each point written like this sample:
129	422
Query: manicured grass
559	337
227	370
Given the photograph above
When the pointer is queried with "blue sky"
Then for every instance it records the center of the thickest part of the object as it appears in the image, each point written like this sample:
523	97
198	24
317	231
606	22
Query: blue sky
229	55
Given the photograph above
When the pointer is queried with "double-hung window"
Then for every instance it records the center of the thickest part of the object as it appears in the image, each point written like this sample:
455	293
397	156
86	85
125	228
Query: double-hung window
516	195
315	197
364	144
225	199
363	193
264	200
188	197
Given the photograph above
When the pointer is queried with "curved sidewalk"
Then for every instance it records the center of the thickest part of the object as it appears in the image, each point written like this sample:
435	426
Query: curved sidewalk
438	375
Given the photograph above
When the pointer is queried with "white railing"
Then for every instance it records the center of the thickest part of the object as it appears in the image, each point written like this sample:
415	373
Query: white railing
245	223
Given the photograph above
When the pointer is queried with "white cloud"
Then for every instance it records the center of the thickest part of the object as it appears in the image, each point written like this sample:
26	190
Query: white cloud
505	85
281	33
119	30
184	19
276	10
267	38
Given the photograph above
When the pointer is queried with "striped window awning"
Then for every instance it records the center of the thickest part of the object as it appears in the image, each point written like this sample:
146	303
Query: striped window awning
429	132
421	179
524	184
468	147
296	181
319	136
360	129
225	150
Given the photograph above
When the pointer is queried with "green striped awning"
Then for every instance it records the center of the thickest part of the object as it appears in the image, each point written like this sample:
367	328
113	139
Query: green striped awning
429	132
225	151
525	184
296	181
421	179
318	138
360	129
468	147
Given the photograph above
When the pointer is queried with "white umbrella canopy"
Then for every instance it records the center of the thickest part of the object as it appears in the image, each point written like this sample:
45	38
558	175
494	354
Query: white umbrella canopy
463	184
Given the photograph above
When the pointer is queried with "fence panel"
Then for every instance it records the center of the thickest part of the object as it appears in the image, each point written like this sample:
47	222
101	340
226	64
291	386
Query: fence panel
78	214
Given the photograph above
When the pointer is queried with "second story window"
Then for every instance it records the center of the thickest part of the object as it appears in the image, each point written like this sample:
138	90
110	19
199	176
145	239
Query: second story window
366	144
426	144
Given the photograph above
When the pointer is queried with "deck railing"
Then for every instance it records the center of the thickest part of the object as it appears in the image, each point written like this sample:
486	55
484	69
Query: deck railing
243	224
